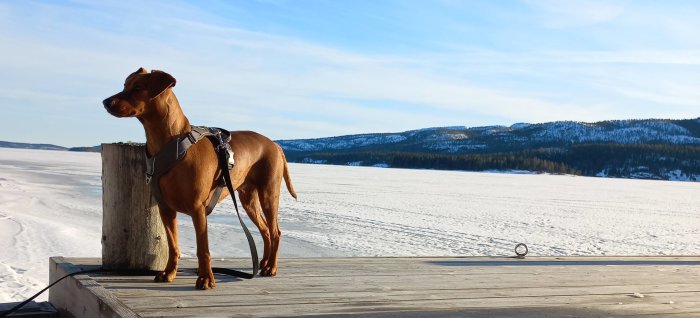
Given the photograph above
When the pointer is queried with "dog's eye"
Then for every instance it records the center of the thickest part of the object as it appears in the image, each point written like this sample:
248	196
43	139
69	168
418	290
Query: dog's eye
138	87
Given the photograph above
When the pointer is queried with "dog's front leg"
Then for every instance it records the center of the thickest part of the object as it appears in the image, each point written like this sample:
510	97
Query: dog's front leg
205	279
169	219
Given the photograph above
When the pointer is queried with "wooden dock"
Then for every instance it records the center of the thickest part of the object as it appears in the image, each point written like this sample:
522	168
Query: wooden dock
397	287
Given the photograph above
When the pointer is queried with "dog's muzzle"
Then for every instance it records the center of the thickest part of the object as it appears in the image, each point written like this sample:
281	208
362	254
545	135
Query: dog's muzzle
107	103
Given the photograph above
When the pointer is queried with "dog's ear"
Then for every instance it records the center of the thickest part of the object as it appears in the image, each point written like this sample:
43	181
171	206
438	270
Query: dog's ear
159	82
138	72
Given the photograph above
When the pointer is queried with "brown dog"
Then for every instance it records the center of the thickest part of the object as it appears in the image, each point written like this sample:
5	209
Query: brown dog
259	168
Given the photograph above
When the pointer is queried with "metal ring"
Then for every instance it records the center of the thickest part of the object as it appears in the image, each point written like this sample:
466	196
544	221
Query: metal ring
521	254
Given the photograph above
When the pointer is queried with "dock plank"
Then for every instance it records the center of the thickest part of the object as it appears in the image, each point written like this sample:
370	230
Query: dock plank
421	287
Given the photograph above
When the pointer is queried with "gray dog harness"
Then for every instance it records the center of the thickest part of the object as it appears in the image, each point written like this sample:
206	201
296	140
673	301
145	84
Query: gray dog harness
176	149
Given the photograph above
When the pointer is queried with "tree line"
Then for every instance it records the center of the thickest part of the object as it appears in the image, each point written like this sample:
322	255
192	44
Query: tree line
618	160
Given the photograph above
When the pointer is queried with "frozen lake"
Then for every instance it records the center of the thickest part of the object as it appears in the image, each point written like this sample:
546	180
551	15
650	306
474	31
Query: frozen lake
50	204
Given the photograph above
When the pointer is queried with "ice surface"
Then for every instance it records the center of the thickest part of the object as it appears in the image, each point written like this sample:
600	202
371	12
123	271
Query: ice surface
50	204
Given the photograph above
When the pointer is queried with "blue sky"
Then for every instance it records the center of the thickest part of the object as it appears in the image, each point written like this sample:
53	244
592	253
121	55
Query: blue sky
305	69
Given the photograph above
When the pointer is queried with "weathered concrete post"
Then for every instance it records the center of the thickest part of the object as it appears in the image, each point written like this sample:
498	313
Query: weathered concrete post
133	237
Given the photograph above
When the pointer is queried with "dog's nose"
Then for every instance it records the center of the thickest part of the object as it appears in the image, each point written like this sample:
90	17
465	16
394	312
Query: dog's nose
107	102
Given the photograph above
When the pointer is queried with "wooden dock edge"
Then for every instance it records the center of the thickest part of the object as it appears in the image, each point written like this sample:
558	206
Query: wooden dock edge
539	286
81	294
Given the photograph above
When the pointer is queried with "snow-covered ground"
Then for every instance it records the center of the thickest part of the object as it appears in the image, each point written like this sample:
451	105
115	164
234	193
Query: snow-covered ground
50	205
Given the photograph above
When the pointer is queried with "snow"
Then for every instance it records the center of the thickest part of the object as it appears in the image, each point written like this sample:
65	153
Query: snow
310	160
620	131
342	142
519	126
678	175
50	204
510	171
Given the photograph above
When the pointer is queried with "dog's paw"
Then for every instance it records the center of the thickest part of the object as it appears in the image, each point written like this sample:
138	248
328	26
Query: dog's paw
165	277
206	281
268	271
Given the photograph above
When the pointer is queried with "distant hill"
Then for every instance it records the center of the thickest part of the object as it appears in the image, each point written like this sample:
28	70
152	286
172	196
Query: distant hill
8	144
649	149
661	149
86	149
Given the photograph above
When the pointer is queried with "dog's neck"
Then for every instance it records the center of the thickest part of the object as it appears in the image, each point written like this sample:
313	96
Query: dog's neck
167	124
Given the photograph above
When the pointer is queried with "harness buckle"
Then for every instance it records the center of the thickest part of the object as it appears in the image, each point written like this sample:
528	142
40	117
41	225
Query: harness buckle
192	139
230	157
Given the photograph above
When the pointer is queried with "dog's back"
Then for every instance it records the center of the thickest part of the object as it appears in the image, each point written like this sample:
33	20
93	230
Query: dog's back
263	156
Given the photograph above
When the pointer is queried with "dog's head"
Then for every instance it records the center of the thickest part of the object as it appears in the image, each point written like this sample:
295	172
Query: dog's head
141	89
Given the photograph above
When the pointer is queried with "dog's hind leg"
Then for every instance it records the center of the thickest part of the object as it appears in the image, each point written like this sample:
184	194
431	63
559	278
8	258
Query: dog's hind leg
205	277
269	200
249	201
169	218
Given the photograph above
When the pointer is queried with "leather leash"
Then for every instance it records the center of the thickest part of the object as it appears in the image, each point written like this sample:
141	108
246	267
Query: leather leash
222	151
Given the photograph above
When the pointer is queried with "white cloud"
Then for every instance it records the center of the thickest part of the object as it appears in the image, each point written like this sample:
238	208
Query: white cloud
577	13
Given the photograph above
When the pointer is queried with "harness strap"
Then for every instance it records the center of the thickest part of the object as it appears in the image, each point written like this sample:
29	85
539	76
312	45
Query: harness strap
215	197
173	152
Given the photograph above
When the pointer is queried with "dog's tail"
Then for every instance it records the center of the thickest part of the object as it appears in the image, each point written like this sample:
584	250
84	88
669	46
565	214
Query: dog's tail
285	173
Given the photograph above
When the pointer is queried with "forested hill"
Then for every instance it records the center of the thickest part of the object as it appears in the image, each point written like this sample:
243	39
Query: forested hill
21	145
649	149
